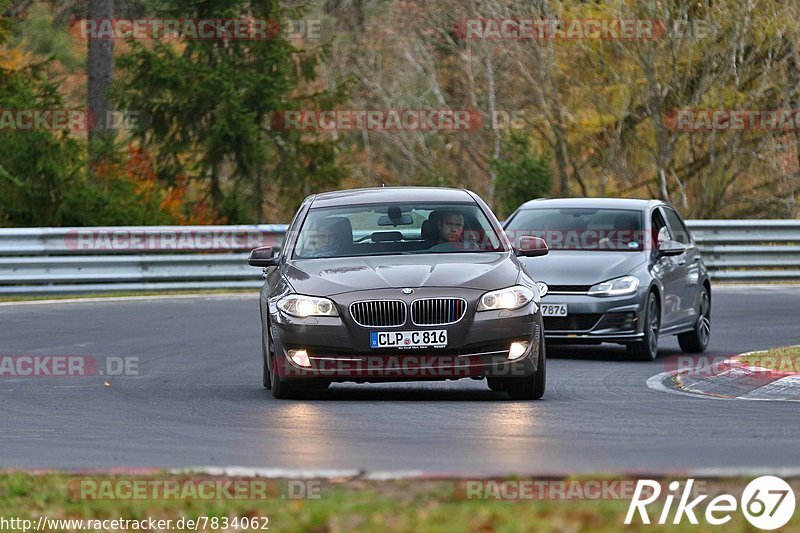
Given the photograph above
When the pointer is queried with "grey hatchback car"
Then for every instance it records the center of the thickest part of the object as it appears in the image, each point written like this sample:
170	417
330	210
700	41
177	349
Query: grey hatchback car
619	270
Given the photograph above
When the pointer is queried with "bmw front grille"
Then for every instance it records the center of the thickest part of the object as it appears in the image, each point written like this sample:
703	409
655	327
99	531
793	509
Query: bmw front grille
379	313
437	311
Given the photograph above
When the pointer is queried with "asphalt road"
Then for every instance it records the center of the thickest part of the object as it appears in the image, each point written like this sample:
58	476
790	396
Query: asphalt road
197	400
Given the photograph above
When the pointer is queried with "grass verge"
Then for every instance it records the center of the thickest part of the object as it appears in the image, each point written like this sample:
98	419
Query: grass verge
124	294
784	359
343	505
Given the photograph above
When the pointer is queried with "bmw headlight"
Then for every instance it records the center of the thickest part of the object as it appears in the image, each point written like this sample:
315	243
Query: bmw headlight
511	298
305	306
615	287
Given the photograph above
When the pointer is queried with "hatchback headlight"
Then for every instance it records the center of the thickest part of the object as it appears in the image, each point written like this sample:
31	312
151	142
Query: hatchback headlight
615	287
510	298
305	306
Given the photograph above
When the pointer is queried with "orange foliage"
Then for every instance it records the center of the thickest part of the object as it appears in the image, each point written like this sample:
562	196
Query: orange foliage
174	201
12	59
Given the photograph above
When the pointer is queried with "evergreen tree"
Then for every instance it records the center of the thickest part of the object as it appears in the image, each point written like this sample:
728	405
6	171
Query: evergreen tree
208	105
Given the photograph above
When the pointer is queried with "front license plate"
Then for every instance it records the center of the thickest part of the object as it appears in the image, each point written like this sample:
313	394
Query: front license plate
554	309
430	338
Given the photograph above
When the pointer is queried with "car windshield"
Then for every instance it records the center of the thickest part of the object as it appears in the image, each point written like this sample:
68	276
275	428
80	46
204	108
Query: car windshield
581	229
391	229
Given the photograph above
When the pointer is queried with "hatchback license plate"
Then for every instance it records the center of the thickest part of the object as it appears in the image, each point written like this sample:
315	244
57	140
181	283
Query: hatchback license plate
436	338
554	309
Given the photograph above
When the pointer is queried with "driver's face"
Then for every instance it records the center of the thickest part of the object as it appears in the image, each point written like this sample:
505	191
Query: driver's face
320	240
451	227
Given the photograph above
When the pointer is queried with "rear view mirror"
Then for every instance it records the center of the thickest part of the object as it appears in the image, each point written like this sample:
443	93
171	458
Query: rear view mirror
670	248
402	220
528	246
263	257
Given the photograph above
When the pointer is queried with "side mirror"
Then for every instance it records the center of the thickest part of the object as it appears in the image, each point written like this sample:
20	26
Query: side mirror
263	257
531	247
670	248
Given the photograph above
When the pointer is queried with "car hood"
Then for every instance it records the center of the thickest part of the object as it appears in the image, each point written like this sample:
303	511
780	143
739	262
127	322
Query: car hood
571	267
485	270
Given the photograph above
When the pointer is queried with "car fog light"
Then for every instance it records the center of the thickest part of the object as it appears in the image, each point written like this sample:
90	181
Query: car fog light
517	350
300	357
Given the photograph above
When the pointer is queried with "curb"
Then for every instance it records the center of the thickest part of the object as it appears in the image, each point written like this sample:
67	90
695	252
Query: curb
730	380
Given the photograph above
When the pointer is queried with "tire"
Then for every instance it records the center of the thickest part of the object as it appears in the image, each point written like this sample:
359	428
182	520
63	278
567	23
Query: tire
266	349
266	379
532	387
266	352
696	341
496	384
281	389
647	348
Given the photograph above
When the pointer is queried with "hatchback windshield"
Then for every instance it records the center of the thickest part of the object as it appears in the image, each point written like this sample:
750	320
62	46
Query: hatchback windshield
388	229
581	228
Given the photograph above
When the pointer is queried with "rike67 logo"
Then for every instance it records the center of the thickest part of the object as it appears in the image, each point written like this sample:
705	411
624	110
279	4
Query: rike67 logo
767	502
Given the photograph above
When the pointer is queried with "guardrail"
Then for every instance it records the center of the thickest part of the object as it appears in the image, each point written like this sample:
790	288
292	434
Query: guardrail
152	258
749	250
124	259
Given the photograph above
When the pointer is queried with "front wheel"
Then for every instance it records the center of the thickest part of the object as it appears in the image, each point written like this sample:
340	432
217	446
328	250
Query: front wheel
647	348
266	379
696	341
266	350
289	389
496	384
532	387
281	389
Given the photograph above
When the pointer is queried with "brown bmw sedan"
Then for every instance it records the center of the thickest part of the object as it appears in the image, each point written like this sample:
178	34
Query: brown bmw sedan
399	283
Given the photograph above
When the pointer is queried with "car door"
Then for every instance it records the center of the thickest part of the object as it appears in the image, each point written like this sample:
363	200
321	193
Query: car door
666	270
688	265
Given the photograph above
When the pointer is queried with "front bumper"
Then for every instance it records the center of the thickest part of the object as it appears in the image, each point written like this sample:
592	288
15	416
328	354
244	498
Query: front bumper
594	319
338	349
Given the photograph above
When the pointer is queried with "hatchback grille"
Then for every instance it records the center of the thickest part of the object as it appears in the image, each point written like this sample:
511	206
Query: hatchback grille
582	289
618	320
574	322
379	313
437	311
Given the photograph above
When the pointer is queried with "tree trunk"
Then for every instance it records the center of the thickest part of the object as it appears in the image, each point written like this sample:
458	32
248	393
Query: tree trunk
495	128
100	67
794	102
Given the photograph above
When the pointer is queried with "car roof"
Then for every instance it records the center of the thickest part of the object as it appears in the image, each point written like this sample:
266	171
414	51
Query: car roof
376	195
597	203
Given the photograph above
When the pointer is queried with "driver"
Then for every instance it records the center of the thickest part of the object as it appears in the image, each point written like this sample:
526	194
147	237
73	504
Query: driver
451	227
319	241
451	234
